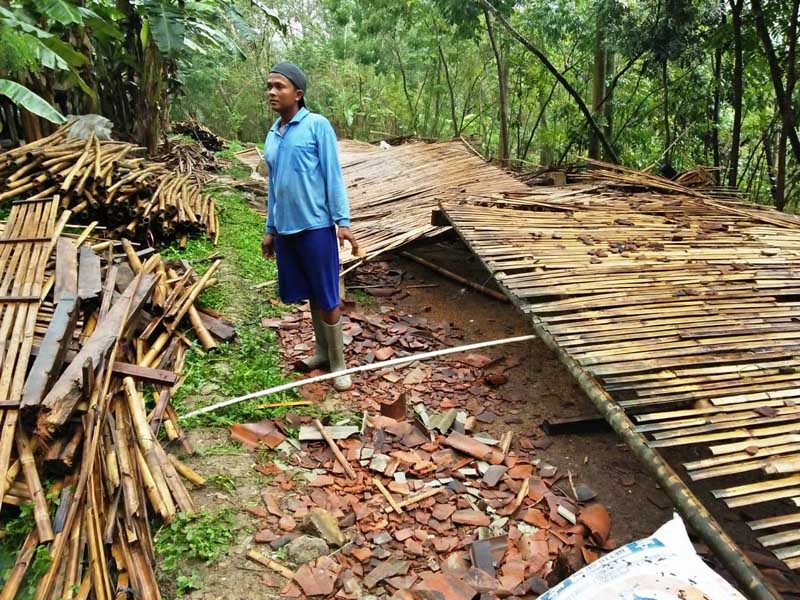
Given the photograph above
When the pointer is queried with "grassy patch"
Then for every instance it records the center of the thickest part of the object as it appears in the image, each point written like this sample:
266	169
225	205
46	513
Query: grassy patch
252	363
362	298
14	532
237	170
203	536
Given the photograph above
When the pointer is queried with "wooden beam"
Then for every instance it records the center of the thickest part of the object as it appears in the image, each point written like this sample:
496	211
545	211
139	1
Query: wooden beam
47	366
89	276
66	285
60	402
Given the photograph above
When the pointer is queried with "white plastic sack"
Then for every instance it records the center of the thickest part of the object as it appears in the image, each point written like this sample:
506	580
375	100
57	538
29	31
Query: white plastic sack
85	125
663	566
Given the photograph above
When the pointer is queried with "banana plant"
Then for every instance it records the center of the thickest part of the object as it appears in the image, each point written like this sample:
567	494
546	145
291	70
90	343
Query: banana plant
30	101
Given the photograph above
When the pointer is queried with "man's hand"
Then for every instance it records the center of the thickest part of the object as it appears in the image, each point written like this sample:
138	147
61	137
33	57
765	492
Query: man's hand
343	234
268	246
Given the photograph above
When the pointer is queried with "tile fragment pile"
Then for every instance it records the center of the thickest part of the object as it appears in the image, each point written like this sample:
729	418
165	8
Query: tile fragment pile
437	502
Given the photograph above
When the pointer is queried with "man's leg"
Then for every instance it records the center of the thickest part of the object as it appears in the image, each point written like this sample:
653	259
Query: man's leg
322	262
330	317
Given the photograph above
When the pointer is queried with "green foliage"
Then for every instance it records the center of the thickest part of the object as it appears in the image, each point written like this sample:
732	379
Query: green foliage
252	361
225	483
167	24
15	530
200	536
21	95
187	583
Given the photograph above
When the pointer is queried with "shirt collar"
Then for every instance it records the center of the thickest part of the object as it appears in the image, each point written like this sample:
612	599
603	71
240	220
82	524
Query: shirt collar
299	116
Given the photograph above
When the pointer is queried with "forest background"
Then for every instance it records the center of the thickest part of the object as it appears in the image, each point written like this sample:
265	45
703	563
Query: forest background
659	84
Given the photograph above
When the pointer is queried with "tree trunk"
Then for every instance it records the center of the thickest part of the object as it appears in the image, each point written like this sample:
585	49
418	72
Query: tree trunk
782	98
738	91
598	84
771	174
502	80
608	99
412	113
717	69
149	104
667	132
449	82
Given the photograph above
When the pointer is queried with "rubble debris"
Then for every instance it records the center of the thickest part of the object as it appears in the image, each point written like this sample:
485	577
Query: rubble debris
321	523
253	435
440	527
305	548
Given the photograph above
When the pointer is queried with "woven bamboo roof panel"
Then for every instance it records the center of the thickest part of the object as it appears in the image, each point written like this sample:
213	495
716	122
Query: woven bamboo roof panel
685	308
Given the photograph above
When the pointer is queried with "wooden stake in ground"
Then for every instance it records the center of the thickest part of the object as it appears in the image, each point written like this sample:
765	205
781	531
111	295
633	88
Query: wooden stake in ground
336	452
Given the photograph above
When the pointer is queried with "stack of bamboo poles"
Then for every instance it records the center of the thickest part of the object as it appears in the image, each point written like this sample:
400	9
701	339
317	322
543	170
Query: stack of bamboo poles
103	180
102	320
684	309
190	158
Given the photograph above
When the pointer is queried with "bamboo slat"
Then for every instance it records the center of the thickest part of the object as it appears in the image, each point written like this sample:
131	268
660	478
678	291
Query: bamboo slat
680	304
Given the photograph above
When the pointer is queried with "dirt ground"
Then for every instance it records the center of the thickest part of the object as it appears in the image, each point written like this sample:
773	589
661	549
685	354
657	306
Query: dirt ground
539	388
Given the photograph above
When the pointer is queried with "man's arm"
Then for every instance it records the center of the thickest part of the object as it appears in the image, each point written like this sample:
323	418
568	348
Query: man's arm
335	194
270	225
268	243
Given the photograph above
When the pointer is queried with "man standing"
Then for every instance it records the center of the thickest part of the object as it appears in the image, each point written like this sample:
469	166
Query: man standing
307	210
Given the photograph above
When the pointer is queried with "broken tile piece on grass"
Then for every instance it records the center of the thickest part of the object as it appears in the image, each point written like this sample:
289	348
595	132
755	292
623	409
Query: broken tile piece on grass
253	435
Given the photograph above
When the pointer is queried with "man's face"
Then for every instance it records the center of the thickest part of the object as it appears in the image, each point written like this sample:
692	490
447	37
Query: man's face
281	93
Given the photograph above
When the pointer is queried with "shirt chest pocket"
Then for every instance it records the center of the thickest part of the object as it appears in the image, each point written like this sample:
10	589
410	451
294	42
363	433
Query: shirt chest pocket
305	158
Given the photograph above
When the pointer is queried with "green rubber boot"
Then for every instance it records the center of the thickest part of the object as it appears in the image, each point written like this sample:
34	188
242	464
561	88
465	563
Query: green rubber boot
320	358
333	335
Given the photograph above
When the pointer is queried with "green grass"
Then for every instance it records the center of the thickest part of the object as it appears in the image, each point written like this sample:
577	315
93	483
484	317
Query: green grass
237	170
363	298
247	365
252	361
202	536
14	532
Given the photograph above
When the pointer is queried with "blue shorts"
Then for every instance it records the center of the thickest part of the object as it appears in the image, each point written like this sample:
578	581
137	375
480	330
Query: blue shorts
308	267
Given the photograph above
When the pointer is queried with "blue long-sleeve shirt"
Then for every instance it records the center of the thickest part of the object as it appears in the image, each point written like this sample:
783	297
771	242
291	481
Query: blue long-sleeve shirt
306	188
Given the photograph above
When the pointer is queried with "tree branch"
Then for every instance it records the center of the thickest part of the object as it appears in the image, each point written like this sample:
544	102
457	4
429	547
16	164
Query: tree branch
557	74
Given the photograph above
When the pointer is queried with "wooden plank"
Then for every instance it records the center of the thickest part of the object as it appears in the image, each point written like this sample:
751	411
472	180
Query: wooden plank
218	328
777	521
146	374
47	365
66	285
89	276
780	538
60	402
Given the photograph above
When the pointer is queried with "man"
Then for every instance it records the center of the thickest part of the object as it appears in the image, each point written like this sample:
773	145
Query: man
307	210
